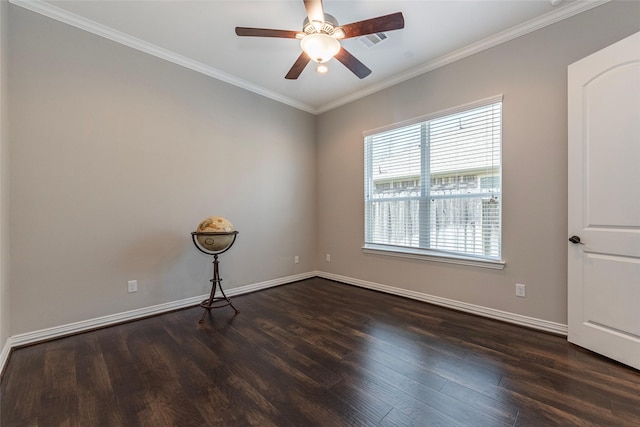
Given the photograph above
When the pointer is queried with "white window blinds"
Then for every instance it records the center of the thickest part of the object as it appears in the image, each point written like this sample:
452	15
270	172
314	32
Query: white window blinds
435	184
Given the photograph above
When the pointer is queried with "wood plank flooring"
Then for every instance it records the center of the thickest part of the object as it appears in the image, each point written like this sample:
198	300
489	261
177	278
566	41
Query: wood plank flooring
316	353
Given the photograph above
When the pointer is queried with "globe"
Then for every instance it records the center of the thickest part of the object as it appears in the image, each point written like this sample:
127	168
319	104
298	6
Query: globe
215	224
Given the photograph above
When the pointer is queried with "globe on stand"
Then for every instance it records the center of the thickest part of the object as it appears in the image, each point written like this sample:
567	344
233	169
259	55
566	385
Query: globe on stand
219	239
214	236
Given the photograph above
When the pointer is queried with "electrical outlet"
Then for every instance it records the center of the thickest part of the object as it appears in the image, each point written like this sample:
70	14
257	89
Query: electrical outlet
328	258
520	290
132	286
296	259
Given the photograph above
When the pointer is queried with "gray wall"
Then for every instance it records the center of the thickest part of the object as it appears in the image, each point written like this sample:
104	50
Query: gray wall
4	176
531	74
116	156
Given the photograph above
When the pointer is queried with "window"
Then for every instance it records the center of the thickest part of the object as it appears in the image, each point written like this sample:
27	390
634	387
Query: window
433	185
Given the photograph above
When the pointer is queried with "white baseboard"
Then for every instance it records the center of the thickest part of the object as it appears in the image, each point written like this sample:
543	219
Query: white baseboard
505	316
104	321
4	356
113	319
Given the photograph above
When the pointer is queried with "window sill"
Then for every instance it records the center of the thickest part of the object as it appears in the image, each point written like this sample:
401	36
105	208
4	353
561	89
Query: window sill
431	256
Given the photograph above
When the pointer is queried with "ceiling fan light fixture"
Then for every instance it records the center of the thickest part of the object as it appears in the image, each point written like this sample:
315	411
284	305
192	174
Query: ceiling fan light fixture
322	69
320	47
321	35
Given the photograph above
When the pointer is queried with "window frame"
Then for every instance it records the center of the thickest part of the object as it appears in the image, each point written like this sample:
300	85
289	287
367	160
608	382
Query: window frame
427	253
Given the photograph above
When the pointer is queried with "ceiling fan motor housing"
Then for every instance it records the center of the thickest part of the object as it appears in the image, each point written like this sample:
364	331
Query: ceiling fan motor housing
328	27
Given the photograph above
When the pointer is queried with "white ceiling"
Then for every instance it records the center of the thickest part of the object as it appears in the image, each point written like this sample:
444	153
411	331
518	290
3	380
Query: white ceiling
200	35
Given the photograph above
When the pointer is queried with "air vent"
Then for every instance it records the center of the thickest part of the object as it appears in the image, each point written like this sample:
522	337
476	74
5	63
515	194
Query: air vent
371	40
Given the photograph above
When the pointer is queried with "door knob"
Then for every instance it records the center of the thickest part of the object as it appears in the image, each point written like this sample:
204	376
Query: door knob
575	240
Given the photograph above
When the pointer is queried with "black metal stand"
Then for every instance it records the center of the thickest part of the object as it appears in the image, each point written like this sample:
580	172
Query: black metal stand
216	281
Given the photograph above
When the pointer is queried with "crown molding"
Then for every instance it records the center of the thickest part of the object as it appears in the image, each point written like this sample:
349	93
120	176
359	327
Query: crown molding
58	14
532	25
54	12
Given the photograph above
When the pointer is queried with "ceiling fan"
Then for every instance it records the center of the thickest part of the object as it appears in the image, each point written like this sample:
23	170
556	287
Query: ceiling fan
321	35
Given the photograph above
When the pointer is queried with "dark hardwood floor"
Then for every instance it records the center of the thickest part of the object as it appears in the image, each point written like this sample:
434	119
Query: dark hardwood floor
316	353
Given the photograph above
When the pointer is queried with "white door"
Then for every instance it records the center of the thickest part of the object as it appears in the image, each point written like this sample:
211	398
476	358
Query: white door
604	202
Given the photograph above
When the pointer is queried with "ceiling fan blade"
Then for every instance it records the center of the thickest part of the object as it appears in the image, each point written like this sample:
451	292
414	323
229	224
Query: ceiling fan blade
298	67
266	32
352	63
395	21
314	10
